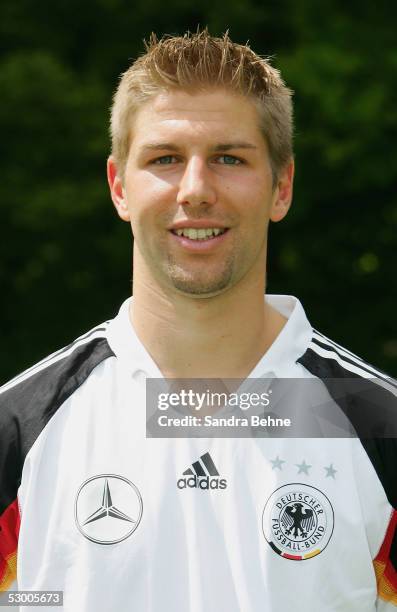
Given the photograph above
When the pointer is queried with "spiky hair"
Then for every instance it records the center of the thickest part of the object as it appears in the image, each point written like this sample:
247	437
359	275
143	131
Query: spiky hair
196	62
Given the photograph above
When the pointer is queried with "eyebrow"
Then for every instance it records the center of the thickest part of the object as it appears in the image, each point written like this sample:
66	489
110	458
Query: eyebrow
234	145
169	146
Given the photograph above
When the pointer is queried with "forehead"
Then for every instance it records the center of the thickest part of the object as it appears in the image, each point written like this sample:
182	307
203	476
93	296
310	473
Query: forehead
210	114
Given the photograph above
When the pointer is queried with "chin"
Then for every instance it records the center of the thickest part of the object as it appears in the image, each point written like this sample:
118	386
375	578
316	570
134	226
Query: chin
195	288
199	281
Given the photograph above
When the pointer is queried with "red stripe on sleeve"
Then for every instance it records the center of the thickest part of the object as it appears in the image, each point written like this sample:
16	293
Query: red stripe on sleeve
386	574
384	553
10	522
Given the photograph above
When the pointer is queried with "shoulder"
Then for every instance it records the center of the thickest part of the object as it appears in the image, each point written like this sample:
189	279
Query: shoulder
83	353
366	395
28	401
327	358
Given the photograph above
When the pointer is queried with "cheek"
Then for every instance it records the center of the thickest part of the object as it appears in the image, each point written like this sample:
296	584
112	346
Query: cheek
147	184
254	183
148	196
253	198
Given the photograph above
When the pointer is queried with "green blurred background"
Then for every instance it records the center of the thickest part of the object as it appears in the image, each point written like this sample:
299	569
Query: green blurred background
65	258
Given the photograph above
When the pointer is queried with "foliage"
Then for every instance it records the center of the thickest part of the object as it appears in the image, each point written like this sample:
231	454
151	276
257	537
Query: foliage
65	258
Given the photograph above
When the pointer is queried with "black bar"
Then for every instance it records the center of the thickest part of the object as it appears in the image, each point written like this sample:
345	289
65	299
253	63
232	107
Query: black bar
198	469
209	464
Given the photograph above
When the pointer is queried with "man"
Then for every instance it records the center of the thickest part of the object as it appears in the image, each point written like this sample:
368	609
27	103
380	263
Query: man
201	163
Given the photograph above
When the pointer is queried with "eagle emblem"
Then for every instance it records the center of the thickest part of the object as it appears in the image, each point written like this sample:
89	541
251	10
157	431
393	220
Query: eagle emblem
298	521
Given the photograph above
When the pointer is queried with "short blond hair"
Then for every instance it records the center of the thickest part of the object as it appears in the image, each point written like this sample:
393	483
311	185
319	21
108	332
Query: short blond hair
199	61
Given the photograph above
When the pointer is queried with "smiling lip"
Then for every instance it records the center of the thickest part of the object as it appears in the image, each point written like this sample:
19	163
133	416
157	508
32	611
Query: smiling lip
207	244
196	224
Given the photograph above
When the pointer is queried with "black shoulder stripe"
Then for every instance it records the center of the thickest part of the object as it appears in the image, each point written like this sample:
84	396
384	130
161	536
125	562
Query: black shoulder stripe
56	354
372	412
375	373
26	408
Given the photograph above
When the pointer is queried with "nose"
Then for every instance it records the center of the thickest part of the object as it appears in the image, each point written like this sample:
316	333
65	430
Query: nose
196	185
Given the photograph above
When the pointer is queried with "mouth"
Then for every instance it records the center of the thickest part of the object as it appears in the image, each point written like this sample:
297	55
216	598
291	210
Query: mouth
201	234
196	240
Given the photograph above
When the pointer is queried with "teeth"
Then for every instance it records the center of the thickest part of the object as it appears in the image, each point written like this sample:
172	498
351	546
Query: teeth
199	234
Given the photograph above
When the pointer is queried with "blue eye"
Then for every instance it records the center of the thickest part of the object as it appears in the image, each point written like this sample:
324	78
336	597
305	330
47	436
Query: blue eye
165	159
230	160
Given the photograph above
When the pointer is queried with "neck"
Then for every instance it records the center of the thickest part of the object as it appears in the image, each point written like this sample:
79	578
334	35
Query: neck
216	337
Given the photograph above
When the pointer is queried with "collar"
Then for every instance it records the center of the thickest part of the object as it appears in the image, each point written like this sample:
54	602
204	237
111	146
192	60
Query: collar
279	360
291	343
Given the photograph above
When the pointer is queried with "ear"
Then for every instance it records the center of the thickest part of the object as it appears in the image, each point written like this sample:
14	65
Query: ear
282	196
117	190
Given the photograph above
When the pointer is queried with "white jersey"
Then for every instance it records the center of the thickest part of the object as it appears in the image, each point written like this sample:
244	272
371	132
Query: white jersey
118	521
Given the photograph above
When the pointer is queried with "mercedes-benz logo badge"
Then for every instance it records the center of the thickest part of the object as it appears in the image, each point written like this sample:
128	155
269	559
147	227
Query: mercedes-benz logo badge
108	508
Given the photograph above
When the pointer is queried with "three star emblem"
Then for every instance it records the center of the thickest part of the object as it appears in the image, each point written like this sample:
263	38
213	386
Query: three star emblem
107	509
303	467
98	517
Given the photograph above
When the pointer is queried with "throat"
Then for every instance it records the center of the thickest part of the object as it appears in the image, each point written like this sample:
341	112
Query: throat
216	355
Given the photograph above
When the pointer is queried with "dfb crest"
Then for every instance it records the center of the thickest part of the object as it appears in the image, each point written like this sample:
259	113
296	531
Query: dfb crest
298	521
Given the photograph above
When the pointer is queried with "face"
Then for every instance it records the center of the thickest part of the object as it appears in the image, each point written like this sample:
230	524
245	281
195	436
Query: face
198	191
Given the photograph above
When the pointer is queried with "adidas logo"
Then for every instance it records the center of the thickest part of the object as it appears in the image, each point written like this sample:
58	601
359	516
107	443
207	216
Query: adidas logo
202	475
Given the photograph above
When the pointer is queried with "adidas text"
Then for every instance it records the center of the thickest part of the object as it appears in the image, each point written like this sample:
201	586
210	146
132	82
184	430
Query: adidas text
204	483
